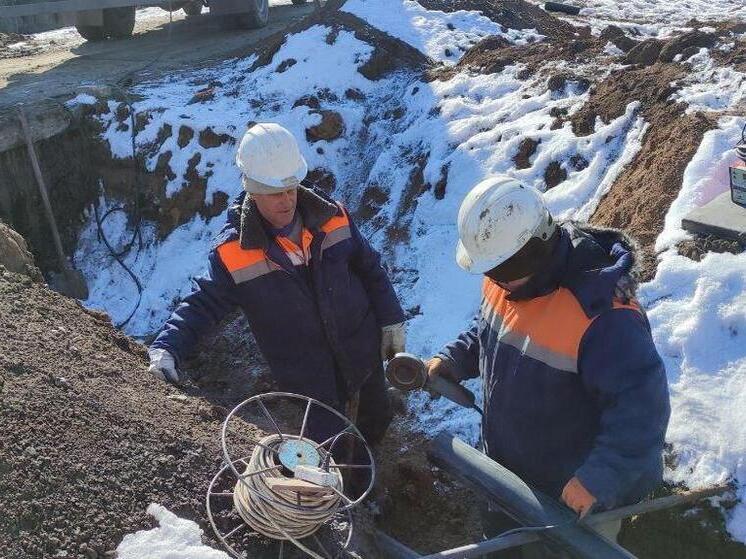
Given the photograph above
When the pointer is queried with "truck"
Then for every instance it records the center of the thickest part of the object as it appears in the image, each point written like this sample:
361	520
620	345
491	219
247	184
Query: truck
98	20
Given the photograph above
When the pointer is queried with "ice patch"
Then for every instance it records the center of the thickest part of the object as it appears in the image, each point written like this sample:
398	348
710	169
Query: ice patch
174	538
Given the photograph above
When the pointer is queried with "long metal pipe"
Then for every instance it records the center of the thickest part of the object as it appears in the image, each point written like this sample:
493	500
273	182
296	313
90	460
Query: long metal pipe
529	507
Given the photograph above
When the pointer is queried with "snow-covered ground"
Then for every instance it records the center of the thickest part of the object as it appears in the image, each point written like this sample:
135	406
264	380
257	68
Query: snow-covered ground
441	36
653	18
468	127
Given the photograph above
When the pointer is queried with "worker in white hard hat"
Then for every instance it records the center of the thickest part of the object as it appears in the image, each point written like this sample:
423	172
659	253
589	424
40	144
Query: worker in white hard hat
319	302
575	394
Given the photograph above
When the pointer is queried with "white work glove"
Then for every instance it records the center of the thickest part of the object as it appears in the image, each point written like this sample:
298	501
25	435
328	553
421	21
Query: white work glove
163	365
393	340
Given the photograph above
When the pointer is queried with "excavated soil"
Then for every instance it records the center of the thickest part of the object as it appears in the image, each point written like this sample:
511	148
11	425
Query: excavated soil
640	197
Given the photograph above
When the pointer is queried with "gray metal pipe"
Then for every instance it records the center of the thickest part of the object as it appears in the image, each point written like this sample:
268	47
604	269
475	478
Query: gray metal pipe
529	507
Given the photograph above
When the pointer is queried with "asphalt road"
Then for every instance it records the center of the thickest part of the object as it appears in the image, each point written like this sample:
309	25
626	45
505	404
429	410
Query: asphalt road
54	64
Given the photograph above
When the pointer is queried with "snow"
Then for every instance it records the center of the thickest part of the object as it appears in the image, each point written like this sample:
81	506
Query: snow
652	18
709	87
442	36
467	128
697	311
174	538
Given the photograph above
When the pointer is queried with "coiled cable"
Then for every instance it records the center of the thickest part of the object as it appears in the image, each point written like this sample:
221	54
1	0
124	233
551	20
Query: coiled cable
280	514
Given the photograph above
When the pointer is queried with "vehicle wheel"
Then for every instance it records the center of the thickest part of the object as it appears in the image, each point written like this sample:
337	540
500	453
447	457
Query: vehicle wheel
91	32
256	17
119	22
193	9
299	2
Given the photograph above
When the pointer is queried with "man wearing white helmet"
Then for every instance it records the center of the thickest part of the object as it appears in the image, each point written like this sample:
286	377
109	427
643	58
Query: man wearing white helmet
575	394
318	300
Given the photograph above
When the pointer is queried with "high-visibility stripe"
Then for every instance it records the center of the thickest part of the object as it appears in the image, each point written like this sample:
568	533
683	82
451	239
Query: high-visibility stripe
266	266
548	328
336	222
234	257
242	264
336	236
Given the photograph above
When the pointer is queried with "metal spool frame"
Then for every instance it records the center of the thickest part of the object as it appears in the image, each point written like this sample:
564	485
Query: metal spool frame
300	441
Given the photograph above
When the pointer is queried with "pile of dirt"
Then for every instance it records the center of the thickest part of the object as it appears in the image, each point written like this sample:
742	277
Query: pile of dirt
89	439
513	14
389	54
640	197
103	439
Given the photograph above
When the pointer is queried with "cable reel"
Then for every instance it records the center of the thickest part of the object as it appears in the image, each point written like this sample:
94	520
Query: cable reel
280	485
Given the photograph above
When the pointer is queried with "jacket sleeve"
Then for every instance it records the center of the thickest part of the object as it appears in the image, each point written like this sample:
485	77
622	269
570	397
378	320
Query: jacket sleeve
366	262
462	354
211	299
623	372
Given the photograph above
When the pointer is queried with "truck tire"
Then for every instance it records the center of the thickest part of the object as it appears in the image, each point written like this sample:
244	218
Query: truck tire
192	9
256	17
119	22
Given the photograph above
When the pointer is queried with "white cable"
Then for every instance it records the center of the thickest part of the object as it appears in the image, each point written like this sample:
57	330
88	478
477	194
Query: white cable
280	514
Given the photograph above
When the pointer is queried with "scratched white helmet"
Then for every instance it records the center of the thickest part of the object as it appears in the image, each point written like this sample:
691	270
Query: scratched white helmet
496	220
270	160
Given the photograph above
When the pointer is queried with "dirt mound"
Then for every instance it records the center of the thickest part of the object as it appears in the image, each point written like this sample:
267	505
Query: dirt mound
389	54
513	14
102	440
643	192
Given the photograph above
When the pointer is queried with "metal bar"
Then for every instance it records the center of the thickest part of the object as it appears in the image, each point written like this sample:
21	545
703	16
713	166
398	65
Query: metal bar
63	6
499	543
330	439
338	492
321	547
265	447
305	420
236	529
64	264
527	506
252	474
654	505
271	419
221	494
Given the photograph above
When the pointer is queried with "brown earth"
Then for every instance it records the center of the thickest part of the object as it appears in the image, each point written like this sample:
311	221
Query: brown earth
512	14
640	197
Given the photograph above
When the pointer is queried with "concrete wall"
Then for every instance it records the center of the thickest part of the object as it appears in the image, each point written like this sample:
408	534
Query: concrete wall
32	24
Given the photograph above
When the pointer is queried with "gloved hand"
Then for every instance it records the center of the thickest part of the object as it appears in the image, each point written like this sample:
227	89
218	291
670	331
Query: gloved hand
437	367
393	340
577	497
163	366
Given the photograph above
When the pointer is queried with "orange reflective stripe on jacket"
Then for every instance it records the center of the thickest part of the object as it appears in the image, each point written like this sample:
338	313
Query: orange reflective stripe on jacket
549	328
244	264
337	229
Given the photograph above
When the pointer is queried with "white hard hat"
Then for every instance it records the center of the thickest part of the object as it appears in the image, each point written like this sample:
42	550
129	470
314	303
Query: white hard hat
269	158
496	219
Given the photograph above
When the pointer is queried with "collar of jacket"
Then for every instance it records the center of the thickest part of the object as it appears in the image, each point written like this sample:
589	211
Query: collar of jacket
590	262
314	210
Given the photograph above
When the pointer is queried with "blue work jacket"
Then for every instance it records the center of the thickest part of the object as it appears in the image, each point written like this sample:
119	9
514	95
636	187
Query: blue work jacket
573	384
318	326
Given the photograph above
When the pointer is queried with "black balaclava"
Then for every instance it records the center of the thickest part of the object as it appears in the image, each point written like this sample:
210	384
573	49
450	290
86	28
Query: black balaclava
532	258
